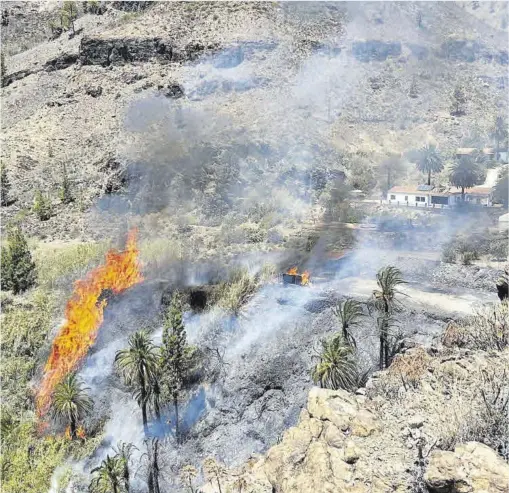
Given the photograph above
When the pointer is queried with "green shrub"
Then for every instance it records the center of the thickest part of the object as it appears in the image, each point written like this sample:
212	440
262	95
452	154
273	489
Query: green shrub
18	268
54	263
238	290
65	189
42	206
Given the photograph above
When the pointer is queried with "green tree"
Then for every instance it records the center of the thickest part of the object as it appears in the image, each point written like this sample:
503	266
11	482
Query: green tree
501	189
137	365
348	313
68	15
429	161
18	268
108	477
5	186
387	279
459	100
336	368
499	134
71	402
65	189
175	354
42	206
466	173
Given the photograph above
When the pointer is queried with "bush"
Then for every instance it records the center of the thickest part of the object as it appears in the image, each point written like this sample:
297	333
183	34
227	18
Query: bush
18	268
235	293
5	186
42	206
54	264
253	233
487	329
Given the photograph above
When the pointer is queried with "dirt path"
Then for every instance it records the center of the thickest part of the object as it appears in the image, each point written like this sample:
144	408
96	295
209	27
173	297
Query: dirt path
459	301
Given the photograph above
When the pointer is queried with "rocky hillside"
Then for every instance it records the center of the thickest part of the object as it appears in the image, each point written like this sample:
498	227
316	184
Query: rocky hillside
272	85
411	429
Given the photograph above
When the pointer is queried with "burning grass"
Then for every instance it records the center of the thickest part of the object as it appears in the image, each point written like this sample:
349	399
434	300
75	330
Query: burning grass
84	315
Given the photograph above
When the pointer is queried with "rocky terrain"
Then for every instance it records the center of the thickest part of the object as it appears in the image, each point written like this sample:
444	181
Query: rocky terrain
230	136
374	442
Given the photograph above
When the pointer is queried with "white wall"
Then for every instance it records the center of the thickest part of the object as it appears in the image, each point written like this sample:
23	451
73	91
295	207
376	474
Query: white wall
400	197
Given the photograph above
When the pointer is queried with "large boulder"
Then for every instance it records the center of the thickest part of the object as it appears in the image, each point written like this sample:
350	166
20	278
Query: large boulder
471	468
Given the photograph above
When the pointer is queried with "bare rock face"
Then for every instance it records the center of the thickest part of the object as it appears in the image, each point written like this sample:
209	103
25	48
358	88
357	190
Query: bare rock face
471	468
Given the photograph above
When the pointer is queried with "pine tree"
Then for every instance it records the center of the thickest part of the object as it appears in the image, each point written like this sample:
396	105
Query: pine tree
174	354
42	206
65	190
18	268
459	100
68	15
5	186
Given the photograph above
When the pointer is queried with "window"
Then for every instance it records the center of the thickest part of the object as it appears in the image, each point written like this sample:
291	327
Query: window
406	198
420	199
393	197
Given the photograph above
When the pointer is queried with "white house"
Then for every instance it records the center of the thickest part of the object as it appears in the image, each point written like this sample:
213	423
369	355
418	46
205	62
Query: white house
429	196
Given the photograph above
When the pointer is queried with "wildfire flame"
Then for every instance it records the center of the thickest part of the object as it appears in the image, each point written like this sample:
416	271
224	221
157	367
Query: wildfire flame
84	316
304	276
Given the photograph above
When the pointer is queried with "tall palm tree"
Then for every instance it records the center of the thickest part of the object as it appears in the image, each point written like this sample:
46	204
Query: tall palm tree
466	172
108	477
336	368
387	279
71	402
429	161
348	314
137	366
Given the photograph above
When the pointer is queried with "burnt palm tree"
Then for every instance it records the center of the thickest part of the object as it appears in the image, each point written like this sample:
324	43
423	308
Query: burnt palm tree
429	161
387	279
71	402
108	477
336	368
123	455
137	364
348	313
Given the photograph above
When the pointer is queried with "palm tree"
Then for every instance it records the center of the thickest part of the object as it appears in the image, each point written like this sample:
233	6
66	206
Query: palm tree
187	475
70	402
214	470
108	476
336	368
137	366
429	161
466	172
348	313
387	279
123	455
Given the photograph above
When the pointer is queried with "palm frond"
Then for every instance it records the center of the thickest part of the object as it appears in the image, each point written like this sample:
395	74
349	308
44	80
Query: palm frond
337	368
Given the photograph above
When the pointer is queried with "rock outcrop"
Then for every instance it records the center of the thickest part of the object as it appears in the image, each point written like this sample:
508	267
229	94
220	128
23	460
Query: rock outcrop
387	441
471	468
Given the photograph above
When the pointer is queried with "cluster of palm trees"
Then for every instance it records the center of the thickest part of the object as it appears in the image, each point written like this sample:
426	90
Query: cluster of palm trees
156	374
337	366
465	171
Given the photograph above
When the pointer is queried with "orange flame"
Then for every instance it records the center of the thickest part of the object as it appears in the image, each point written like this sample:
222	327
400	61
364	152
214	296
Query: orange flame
84	315
80	433
304	276
67	433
